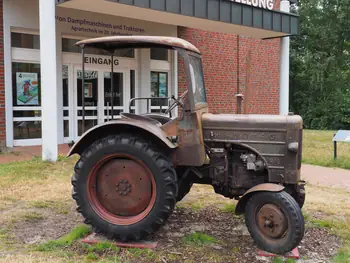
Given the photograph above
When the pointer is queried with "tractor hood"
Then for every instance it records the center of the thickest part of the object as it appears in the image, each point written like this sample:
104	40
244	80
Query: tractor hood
277	139
250	122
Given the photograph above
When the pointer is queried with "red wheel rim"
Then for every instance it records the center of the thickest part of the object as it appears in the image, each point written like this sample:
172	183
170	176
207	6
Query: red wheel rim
121	189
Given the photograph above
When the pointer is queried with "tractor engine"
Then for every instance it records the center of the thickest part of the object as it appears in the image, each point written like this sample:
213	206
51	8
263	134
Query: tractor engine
233	170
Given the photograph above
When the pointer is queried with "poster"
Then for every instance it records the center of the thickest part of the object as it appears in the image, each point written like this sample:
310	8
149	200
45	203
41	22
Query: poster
163	85
27	88
88	90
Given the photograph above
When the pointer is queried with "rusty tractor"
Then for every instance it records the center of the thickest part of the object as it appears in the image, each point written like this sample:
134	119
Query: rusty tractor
132	170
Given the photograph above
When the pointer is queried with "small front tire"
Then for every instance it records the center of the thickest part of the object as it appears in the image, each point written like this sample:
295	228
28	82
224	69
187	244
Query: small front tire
274	221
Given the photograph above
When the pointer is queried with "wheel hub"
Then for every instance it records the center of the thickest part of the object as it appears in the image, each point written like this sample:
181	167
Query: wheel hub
123	187
123	190
271	221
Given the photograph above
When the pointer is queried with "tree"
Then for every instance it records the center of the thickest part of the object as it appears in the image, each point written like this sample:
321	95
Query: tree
320	60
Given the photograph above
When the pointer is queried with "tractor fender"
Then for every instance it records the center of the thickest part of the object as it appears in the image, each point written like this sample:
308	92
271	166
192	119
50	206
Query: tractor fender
149	131
267	187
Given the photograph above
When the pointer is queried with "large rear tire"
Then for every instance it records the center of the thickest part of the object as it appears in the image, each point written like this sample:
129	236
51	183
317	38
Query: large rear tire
124	187
274	221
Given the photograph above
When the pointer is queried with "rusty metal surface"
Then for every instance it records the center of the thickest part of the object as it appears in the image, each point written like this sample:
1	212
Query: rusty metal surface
124	187
121	189
271	221
268	135
139	118
265	187
118	42
191	150
97	131
269	187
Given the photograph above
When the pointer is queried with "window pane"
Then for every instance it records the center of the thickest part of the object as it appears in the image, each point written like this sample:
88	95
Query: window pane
66	128
88	125
65	85
159	54
27	130
26	84
68	45
117	89
91	88
24	114
25	41
132	87
159	88
197	79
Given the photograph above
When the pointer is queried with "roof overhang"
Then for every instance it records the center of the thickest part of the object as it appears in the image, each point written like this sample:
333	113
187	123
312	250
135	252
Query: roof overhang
223	16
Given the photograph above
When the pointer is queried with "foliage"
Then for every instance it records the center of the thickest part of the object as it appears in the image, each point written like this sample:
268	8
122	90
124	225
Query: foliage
320	60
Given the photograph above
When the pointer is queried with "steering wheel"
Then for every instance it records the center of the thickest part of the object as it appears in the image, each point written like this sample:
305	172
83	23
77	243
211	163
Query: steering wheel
176	102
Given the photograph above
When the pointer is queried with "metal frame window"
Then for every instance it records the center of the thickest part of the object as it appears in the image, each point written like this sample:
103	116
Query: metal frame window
26	91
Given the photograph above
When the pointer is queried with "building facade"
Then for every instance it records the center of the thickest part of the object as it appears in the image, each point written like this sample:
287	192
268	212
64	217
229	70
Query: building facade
236	60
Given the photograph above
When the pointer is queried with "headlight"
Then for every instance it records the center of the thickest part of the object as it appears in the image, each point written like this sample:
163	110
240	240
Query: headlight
293	147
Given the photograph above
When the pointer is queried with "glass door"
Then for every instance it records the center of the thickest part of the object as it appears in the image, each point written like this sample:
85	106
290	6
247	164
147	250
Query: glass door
91	87
117	98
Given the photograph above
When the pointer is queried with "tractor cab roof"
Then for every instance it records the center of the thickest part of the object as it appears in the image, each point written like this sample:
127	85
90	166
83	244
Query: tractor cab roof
120	42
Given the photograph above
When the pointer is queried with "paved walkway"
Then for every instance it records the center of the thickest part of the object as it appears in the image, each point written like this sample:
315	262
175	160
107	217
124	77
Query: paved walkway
325	176
27	153
317	175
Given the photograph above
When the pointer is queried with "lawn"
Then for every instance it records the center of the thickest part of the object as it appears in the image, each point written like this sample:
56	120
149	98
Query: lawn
318	150
38	221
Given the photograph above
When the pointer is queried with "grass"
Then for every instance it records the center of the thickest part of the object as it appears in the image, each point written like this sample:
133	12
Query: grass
60	206
282	260
101	247
67	240
339	226
50	184
343	256
32	216
199	239
318	150
229	208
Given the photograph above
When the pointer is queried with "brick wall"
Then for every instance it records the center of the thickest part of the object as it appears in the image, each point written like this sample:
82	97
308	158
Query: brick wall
2	84
220	63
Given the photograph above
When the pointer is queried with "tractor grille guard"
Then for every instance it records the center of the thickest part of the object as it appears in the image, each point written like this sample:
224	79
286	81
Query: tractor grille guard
159	101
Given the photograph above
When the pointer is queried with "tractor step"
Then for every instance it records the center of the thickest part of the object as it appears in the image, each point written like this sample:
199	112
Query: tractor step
94	239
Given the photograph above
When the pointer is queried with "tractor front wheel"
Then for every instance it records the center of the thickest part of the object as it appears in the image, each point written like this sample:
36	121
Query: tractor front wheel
124	187
274	221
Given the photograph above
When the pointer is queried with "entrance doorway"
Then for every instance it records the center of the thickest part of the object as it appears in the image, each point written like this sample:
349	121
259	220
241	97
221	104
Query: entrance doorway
98	99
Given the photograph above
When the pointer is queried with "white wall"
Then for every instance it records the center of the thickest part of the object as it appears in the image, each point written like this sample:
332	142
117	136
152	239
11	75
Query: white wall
23	15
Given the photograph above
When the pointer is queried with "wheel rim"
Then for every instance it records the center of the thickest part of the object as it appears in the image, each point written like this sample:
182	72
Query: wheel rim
121	189
271	221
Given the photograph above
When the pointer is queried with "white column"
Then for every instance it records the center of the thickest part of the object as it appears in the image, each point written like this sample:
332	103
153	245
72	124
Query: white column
8	76
59	87
144	87
49	94
284	67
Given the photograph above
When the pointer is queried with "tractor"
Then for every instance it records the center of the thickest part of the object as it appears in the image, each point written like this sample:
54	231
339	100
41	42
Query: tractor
132	170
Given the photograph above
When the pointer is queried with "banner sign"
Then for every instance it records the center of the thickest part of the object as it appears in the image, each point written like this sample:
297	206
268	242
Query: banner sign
267	4
27	88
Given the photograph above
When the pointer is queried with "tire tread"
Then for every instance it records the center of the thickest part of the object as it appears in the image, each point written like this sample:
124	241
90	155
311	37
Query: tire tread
167	171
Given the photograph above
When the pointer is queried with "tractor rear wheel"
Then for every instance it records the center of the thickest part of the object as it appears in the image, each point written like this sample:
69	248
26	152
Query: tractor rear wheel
274	221
124	187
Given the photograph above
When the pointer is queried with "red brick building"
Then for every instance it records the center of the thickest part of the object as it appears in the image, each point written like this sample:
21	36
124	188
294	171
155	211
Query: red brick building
231	35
